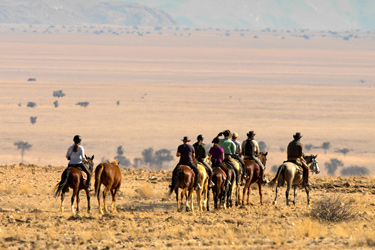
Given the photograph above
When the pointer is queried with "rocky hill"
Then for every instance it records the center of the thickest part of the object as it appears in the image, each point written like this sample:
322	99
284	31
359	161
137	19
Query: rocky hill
70	12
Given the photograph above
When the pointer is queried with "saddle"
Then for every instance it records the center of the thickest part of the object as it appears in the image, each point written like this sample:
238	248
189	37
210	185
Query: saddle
189	168
296	165
83	173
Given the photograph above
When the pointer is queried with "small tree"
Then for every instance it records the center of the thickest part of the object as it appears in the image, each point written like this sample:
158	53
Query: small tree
274	168
355	171
121	157
326	146
262	146
23	146
343	151
156	159
83	104
308	147
332	166
33	119
58	93
56	103
31	104
282	149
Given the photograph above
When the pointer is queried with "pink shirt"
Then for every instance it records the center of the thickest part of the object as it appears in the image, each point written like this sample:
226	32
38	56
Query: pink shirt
217	153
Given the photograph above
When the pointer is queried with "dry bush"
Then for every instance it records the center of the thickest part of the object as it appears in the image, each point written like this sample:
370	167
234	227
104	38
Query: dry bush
145	190
333	209
25	189
310	229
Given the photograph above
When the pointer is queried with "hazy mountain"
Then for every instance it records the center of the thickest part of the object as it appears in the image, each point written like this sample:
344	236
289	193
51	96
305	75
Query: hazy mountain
259	14
78	12
253	14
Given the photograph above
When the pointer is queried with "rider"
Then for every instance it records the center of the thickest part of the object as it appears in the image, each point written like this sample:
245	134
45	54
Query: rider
76	157
295	155
201	154
251	151
238	157
216	155
229	150
186	153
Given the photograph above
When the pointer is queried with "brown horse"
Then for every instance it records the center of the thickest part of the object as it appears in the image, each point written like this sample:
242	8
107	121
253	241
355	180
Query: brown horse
73	178
253	171
218	191
203	182
183	177
109	175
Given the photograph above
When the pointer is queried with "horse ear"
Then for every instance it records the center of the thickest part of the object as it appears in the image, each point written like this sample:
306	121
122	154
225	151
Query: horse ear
266	153
92	157
315	156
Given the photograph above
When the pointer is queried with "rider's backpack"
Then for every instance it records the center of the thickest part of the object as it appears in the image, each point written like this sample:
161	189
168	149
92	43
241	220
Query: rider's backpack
249	148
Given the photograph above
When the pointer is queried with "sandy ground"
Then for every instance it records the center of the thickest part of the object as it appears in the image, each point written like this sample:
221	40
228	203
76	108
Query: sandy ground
147	217
171	85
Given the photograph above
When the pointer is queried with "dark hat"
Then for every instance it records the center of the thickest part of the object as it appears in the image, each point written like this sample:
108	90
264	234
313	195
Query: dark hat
216	140
200	137
297	136
185	138
251	134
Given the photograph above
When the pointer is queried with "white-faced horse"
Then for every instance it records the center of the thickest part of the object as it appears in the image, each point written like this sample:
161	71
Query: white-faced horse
289	172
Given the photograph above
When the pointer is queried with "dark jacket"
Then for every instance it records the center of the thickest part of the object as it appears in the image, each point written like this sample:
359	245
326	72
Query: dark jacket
295	150
200	151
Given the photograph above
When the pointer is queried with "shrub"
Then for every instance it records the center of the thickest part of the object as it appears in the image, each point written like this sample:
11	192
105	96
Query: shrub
308	147
56	103
332	165
58	93
355	171
33	119
333	209
343	151
83	104
31	104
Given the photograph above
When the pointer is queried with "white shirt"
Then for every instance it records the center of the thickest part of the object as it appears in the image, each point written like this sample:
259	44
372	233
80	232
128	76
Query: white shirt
75	157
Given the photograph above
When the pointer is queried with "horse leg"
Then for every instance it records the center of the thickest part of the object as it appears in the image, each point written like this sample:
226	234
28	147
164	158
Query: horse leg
189	198
105	199
78	201
178	204
72	200
114	195
308	195
199	200
62	201
287	192
295	195
276	191
244	193
88	201
98	197
260	191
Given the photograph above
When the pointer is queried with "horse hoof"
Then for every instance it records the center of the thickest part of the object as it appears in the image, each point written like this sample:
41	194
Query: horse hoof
275	202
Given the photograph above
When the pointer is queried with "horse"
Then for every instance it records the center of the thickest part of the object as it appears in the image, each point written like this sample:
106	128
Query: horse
183	177
289	172
218	191
73	178
202	193
253	171
236	186
109	175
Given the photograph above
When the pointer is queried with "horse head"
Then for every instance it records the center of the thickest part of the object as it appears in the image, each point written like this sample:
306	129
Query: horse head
263	158
312	163
90	162
115	163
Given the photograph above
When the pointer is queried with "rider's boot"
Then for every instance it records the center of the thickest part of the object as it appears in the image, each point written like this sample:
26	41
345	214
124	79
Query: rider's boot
197	187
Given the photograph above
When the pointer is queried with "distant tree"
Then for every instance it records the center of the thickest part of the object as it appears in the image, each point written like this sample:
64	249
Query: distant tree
355	171
274	168
31	104
56	103
262	146
83	104
282	149
33	119
326	146
121	157
308	147
332	165
118	103
137	162
31	79
58	93
156	159
343	151
23	146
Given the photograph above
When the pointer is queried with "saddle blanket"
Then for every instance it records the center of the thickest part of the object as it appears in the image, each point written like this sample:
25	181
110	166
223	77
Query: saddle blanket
84	175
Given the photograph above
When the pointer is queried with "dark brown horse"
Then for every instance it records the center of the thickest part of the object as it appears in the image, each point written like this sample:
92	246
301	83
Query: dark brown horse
109	175
183	177
253	171
73	178
218	191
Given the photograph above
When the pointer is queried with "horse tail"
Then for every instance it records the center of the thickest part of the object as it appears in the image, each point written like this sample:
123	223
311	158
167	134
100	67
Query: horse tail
175	180
64	180
279	170
98	176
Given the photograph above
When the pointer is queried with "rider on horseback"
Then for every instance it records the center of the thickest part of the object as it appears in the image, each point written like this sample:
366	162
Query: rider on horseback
251	151
295	155
229	150
237	156
186	153
216	155
76	157
201	154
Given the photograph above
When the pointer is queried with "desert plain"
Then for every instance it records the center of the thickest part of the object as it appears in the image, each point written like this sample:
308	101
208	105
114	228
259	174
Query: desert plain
149	89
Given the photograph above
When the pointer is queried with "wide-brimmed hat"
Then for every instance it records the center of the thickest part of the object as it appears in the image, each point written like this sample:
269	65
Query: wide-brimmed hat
234	135
251	134
297	136
185	139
